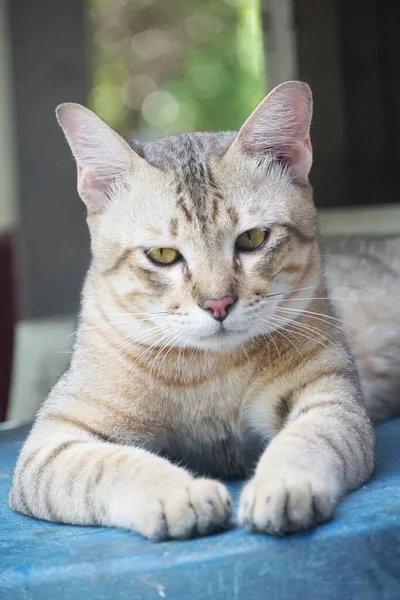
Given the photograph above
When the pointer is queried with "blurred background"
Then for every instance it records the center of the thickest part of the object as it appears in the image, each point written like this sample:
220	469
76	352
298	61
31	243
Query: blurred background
151	67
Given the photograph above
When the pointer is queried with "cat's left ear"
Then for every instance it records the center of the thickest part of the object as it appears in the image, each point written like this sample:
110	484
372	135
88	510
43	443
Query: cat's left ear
101	154
280	128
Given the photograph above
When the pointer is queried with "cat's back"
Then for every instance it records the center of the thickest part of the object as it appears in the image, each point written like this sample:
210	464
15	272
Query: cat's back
363	282
380	255
363	276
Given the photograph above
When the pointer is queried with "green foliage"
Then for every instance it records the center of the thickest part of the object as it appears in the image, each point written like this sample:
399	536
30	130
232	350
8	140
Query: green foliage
176	66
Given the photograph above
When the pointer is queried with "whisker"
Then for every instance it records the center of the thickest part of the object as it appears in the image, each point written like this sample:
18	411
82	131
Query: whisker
299	330
331	298
352	287
168	342
110	325
311	314
270	336
307	327
279	332
301	334
139	341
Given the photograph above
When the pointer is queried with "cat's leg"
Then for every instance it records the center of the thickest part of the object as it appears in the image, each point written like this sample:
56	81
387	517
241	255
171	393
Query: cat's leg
65	474
324	450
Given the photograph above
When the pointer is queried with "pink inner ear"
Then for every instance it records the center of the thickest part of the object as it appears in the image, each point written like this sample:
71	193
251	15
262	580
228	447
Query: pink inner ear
280	127
93	189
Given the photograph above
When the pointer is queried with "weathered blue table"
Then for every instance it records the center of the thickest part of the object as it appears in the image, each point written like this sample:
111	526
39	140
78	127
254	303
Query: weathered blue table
356	556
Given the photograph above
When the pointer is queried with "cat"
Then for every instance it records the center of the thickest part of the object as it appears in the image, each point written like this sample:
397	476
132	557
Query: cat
207	345
363	279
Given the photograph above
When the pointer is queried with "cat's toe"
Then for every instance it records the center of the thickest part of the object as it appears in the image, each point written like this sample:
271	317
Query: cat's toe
212	504
201	508
153	522
181	517
280	505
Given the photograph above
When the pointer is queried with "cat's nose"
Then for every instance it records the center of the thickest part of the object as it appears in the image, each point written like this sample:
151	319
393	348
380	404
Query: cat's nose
218	306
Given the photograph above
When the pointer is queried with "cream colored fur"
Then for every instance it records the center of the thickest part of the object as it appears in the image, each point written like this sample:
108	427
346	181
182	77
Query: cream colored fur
159	394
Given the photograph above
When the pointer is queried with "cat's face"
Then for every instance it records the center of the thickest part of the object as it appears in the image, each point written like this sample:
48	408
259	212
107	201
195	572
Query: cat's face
199	238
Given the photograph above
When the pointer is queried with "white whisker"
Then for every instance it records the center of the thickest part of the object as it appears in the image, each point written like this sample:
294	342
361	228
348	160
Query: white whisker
311	315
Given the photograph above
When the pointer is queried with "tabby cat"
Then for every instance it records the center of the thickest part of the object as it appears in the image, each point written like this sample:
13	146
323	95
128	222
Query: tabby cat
207	345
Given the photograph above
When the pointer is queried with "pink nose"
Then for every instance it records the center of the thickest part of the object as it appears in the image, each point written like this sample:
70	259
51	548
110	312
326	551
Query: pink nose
218	306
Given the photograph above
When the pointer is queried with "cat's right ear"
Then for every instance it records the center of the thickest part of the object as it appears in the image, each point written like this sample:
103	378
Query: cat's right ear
279	129
102	156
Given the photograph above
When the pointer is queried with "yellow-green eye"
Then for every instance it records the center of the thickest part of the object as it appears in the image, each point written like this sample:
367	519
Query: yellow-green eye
251	239
163	256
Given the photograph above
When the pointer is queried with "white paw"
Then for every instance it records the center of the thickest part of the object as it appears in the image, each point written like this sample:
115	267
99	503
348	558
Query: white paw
200	508
285	503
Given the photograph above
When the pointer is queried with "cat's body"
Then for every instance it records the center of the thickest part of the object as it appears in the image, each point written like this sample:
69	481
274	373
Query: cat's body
363	277
205	333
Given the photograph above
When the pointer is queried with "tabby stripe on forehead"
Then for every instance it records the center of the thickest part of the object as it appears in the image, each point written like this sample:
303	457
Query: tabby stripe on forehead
126	254
174	227
215	209
210	178
181	204
179	188
233	215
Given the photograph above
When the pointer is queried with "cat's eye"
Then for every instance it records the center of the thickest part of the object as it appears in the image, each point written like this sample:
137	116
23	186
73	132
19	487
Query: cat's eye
251	239
163	256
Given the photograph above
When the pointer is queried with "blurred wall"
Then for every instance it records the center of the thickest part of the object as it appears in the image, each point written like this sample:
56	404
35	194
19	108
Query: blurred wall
7	174
7	218
49	66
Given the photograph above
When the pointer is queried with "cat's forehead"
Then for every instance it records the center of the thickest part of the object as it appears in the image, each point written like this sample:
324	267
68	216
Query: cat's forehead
194	190
185	150
194	193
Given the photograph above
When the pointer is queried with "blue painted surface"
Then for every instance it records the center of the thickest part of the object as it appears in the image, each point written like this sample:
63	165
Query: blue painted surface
356	556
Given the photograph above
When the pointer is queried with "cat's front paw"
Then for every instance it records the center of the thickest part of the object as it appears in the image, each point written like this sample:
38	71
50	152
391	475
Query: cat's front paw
200	508
285	502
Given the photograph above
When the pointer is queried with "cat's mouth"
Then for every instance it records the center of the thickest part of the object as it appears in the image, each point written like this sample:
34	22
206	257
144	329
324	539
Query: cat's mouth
221	337
222	332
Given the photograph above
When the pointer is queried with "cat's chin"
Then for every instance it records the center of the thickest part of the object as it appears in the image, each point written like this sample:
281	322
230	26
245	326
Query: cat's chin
221	340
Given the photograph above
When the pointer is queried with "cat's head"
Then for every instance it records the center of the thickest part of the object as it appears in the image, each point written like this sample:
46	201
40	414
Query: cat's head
198	238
